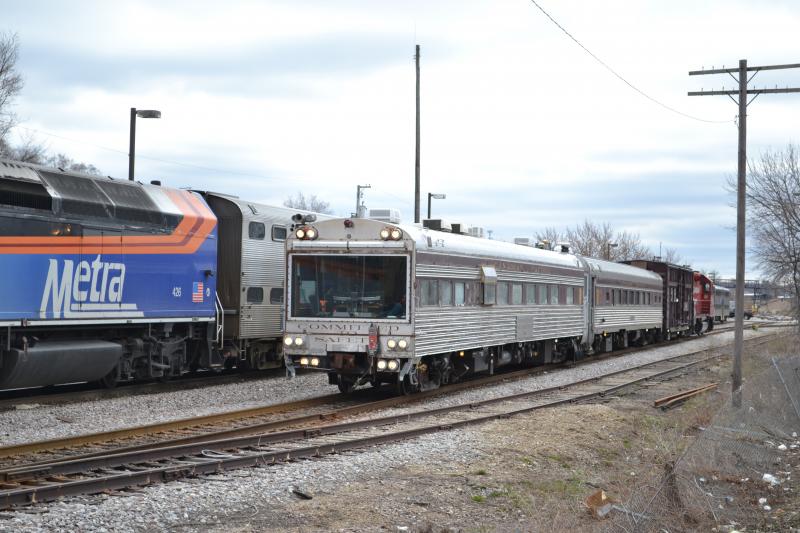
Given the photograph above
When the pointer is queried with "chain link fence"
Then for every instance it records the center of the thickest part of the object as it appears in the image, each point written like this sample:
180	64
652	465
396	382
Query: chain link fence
737	471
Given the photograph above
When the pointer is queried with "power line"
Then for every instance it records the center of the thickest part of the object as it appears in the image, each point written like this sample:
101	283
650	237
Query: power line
619	76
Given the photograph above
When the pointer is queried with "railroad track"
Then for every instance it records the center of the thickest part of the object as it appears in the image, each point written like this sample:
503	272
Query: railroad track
255	419
80	392
169	461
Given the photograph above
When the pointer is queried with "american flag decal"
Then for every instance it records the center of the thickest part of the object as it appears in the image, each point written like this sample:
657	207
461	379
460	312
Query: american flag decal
197	292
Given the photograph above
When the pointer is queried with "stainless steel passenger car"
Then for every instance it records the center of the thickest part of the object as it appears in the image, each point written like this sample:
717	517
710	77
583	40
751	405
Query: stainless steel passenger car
379	303
722	303
250	277
626	307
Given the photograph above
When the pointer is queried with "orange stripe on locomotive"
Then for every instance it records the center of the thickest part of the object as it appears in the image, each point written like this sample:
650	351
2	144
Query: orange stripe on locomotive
197	223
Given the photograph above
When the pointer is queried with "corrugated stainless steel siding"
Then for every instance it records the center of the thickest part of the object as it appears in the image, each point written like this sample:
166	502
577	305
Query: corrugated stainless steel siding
444	329
453	272
614	318
263	265
437	271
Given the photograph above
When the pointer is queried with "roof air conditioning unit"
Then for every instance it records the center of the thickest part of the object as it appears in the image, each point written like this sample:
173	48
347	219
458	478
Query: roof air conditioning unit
437	224
476	231
392	216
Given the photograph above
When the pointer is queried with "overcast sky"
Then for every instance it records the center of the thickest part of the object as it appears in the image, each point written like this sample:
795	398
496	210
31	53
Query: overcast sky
521	128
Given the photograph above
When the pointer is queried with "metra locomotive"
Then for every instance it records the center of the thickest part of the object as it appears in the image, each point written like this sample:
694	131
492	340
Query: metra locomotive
369	302
110	280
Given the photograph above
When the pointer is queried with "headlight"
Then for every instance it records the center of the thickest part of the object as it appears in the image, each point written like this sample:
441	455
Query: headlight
381	364
385	233
403	344
298	341
314	361
396	234
311	233
393	364
304	361
288	341
300	234
391	343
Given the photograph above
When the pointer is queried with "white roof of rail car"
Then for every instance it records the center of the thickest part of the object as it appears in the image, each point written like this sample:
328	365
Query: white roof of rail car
476	247
619	271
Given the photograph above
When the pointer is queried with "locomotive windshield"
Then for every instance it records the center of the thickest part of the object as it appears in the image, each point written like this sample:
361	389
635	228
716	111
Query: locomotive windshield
349	286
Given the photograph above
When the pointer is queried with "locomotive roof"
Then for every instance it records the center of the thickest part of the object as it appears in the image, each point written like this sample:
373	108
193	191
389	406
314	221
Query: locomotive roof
79	195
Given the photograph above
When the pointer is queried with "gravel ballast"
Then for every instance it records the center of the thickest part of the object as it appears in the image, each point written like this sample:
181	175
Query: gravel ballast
57	421
219	502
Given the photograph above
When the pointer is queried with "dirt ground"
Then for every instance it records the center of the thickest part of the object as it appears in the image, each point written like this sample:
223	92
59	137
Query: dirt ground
535	472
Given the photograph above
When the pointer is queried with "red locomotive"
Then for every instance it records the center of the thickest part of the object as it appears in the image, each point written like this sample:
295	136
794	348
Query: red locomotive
703	296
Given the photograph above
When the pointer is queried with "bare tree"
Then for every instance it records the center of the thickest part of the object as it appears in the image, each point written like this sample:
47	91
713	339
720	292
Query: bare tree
10	85
601	241
311	203
28	151
65	162
773	214
549	237
671	255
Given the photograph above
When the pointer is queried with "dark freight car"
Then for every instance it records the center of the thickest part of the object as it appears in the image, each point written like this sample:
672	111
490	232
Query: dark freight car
677	301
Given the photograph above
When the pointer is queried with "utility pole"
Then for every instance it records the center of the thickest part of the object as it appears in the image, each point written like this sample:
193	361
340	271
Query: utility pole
741	191
416	159
359	204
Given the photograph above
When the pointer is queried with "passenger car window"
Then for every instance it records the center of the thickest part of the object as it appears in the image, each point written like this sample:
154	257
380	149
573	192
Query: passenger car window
516	294
256	230
429	292
459	293
542	294
446	292
554	294
502	293
278	233
530	294
276	296
569	295
255	295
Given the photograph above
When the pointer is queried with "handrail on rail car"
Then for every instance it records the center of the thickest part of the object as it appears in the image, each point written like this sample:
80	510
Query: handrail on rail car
220	317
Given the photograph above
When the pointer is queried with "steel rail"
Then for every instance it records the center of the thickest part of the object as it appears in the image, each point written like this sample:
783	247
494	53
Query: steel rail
55	485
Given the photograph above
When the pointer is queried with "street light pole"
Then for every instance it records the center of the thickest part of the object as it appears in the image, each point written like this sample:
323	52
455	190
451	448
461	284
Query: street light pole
436	196
609	246
143	113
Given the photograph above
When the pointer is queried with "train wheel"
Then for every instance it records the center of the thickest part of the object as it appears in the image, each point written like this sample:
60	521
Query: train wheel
403	387
109	381
346	385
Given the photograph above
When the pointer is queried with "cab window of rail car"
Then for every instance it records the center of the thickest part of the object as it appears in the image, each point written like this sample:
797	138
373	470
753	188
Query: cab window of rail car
348	286
256	230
